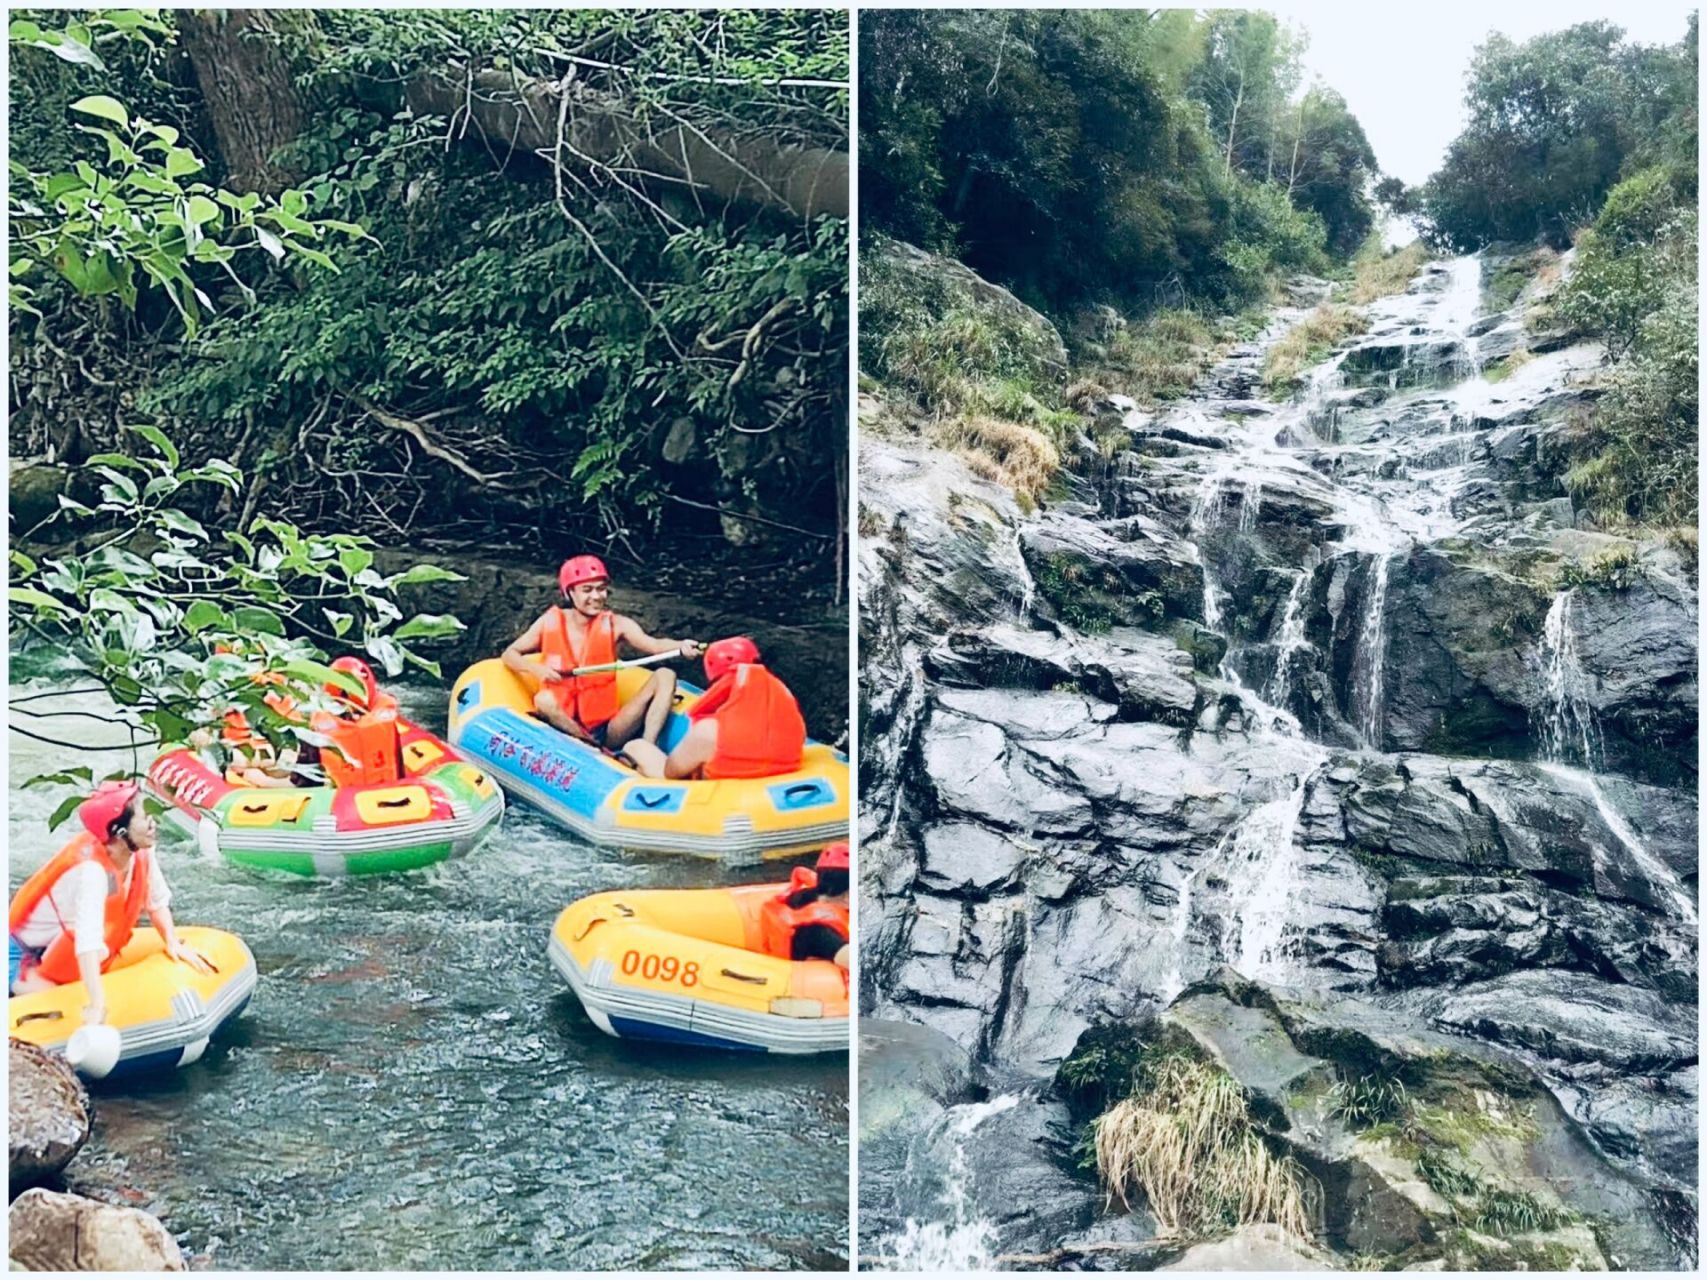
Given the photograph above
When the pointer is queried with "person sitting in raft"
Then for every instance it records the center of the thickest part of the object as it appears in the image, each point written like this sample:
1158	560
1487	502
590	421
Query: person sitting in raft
225	753
586	635
746	725
808	920
69	921
359	743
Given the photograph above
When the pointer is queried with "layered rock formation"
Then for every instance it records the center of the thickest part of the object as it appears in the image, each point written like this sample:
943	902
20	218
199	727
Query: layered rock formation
1338	695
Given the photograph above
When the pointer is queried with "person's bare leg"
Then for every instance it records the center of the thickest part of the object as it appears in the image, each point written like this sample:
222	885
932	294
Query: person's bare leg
554	715
643	715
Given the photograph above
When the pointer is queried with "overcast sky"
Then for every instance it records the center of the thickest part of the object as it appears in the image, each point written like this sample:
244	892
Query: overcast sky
1401	67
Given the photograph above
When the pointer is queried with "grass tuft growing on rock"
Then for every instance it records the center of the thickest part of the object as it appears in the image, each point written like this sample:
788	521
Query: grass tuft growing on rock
1379	274
1158	358
1022	458
1184	1142
1307	343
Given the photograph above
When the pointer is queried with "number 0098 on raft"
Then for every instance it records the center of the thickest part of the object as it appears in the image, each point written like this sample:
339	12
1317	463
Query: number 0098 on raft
687	966
607	801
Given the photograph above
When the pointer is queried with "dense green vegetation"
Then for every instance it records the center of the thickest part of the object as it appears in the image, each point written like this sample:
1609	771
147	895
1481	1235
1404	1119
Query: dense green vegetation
1123	157
1582	135
528	321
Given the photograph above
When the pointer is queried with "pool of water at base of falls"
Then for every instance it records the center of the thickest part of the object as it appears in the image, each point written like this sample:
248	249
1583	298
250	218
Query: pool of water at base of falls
414	1086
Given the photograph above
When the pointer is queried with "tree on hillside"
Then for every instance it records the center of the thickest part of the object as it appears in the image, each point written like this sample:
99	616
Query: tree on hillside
1327	166
1553	122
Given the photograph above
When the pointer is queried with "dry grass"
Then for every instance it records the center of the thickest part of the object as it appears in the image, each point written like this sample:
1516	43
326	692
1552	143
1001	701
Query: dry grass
1159	358
1186	1145
1309	341
1020	457
1378	275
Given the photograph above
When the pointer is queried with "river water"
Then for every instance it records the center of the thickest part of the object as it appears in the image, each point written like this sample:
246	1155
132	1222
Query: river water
413	1086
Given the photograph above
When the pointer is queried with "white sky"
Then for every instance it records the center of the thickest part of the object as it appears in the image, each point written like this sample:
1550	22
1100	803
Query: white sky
1401	67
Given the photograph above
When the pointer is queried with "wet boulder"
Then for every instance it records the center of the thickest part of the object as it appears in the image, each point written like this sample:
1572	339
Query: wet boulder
56	1231
1131	572
48	1114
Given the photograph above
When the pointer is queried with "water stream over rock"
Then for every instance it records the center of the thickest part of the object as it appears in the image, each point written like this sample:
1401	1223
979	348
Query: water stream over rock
1296	695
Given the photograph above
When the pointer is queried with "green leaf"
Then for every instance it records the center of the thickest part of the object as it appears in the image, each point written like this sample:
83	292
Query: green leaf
203	614
156	437
270	242
429	626
387	652
355	559
34	598
250	617
423	573
105	108
340	621
180	162
201	210
66	808
178	522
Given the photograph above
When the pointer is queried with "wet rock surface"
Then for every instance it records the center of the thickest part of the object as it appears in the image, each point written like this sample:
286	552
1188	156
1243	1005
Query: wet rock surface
47	1115
1305	690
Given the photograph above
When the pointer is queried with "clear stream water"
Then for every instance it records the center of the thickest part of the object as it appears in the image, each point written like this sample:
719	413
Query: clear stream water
413	1086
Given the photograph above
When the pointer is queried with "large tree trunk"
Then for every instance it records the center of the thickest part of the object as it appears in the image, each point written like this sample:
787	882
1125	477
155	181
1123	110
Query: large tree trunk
598	127
246	83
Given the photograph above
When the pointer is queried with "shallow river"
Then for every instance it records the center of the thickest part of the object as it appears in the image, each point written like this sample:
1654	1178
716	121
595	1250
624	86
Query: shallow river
413	1086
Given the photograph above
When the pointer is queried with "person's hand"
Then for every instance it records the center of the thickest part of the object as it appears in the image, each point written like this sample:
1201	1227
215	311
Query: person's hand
189	955
94	1014
549	674
692	648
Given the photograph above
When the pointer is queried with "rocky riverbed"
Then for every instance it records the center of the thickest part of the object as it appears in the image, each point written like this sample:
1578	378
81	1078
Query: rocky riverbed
1325	733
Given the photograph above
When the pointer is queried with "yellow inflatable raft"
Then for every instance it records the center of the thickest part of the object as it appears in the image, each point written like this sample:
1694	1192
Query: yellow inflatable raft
682	965
607	801
165	1012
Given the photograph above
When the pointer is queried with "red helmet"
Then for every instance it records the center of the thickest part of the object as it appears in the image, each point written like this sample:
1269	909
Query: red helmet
361	671
579	569
834	857
723	656
106	806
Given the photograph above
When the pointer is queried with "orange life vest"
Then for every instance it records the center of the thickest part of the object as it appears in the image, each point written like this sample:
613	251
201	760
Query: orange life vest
778	921
364	750
124	908
759	729
593	699
237	731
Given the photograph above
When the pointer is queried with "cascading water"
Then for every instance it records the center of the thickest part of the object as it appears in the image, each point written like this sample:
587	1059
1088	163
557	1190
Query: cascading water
1568	730
960	1239
1290	642
1372	653
1264	858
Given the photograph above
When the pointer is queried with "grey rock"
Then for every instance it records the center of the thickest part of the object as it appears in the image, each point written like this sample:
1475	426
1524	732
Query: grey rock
57	1231
48	1114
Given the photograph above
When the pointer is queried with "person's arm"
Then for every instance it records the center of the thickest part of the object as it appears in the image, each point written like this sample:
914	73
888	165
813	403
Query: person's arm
628	632
160	916
517	658
89	969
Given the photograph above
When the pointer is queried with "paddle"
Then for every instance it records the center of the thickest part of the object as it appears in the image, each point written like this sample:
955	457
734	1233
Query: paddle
626	663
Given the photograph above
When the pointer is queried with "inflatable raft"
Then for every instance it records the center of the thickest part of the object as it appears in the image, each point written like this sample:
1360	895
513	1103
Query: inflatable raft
442	806
681	965
607	801
165	1012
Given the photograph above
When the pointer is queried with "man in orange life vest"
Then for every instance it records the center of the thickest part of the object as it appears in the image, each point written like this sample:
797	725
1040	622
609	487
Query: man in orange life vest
809	919
69	920
747	725
586	635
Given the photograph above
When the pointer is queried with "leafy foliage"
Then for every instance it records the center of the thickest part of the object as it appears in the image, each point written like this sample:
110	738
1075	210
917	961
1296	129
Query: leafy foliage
1554	122
107	227
176	621
1135	158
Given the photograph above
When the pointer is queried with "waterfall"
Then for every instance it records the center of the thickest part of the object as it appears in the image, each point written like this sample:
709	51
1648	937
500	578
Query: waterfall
1657	872
1369	676
1290	640
1028	589
961	1240
1457	310
1265	856
1569	731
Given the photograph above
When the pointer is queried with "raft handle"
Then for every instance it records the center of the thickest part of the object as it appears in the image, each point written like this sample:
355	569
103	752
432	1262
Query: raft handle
802	789
399	803
745	977
254	808
50	1015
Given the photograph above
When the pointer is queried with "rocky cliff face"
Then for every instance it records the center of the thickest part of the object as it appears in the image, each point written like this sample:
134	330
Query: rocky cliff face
1296	693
